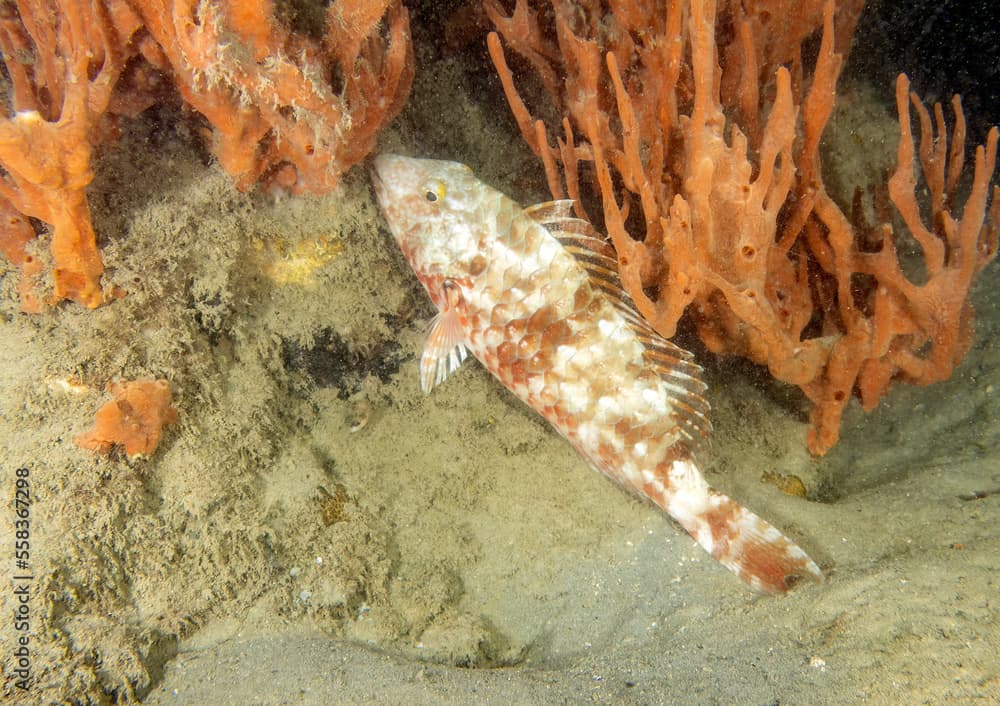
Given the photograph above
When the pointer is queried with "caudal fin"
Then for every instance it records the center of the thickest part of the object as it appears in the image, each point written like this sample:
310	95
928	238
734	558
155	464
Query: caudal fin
752	548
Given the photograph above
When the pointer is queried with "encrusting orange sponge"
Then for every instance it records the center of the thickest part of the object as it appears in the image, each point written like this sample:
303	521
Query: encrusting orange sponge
133	420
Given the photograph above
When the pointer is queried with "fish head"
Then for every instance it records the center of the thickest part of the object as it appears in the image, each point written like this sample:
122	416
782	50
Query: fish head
436	212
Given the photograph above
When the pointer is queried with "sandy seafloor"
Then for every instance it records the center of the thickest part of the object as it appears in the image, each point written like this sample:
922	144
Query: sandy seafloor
453	549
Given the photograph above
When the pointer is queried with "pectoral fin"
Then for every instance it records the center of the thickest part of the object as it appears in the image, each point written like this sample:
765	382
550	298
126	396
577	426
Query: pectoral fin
445	348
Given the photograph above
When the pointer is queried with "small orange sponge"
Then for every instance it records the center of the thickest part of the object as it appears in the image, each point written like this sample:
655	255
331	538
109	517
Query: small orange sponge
133	420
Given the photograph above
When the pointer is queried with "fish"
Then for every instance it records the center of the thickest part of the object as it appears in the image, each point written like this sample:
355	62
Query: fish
533	293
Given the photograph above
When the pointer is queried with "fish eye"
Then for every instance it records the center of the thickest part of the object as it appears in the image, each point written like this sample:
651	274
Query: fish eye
435	191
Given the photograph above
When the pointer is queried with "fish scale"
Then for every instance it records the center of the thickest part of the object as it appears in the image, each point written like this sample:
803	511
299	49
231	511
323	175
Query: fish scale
533	294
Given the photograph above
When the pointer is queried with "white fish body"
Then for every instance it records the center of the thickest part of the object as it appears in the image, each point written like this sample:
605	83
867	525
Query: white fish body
533	294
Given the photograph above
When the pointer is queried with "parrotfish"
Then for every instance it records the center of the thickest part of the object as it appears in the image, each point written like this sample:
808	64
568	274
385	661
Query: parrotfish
533	293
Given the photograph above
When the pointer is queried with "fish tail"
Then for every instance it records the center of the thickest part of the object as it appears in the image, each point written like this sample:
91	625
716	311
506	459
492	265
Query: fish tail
749	546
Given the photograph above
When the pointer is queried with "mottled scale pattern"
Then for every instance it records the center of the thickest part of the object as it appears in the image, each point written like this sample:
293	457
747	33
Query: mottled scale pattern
533	294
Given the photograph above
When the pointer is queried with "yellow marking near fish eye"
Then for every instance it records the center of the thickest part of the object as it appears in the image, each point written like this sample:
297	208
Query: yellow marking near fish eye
435	190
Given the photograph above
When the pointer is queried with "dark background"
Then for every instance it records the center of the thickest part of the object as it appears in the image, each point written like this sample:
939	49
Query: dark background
944	46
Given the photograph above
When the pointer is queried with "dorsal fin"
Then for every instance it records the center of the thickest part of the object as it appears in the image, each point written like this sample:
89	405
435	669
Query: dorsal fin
547	211
593	252
673	364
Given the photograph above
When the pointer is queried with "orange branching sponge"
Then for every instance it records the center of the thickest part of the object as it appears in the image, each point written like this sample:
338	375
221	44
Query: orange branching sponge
63	59
733	226
134	420
15	234
283	107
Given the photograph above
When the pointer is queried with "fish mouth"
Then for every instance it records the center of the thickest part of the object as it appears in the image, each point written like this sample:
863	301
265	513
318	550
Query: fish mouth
385	172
